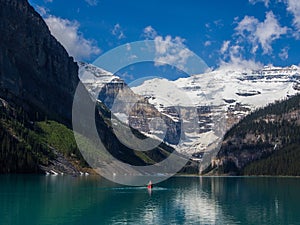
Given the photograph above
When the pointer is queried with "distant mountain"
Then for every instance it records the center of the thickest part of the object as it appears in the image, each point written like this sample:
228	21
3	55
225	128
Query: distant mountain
221	98
266	142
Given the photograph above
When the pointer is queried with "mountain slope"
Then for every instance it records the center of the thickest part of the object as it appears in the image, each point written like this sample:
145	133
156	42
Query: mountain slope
26	146
264	143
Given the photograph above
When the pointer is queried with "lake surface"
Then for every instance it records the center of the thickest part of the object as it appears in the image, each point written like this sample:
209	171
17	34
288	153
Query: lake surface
32	199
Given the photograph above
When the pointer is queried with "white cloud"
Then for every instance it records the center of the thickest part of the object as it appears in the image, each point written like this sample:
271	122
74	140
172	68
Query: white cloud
92	2
171	51
239	64
284	54
118	32
67	33
224	47
260	33
236	60
233	58
232	52
168	50
149	32
266	2
207	43
250	35
293	6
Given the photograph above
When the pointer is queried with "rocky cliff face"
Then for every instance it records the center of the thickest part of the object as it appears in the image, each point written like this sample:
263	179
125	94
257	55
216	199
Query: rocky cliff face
36	72
138	113
133	109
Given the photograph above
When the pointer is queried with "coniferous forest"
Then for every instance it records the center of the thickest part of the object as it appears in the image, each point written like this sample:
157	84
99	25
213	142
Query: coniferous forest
25	144
266	142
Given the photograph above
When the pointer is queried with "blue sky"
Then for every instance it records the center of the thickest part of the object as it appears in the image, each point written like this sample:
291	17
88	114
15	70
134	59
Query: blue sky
248	32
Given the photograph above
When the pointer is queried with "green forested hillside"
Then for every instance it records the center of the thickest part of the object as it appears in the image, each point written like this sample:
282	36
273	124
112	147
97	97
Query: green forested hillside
285	161
60	137
26	145
266	142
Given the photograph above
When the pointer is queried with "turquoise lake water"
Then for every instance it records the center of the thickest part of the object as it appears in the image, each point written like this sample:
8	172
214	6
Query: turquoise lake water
32	199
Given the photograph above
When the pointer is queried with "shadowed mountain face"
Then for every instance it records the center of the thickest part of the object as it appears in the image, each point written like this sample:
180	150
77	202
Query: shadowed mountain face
38	80
36	72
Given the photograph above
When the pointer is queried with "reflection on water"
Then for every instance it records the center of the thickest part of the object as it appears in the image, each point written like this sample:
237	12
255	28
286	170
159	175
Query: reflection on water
51	200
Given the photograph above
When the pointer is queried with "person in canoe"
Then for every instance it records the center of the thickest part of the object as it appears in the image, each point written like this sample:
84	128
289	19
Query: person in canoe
150	185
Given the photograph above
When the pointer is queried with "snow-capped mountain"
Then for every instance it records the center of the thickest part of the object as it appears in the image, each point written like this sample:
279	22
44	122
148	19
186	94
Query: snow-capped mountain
95	78
221	97
255	88
199	109
128	107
